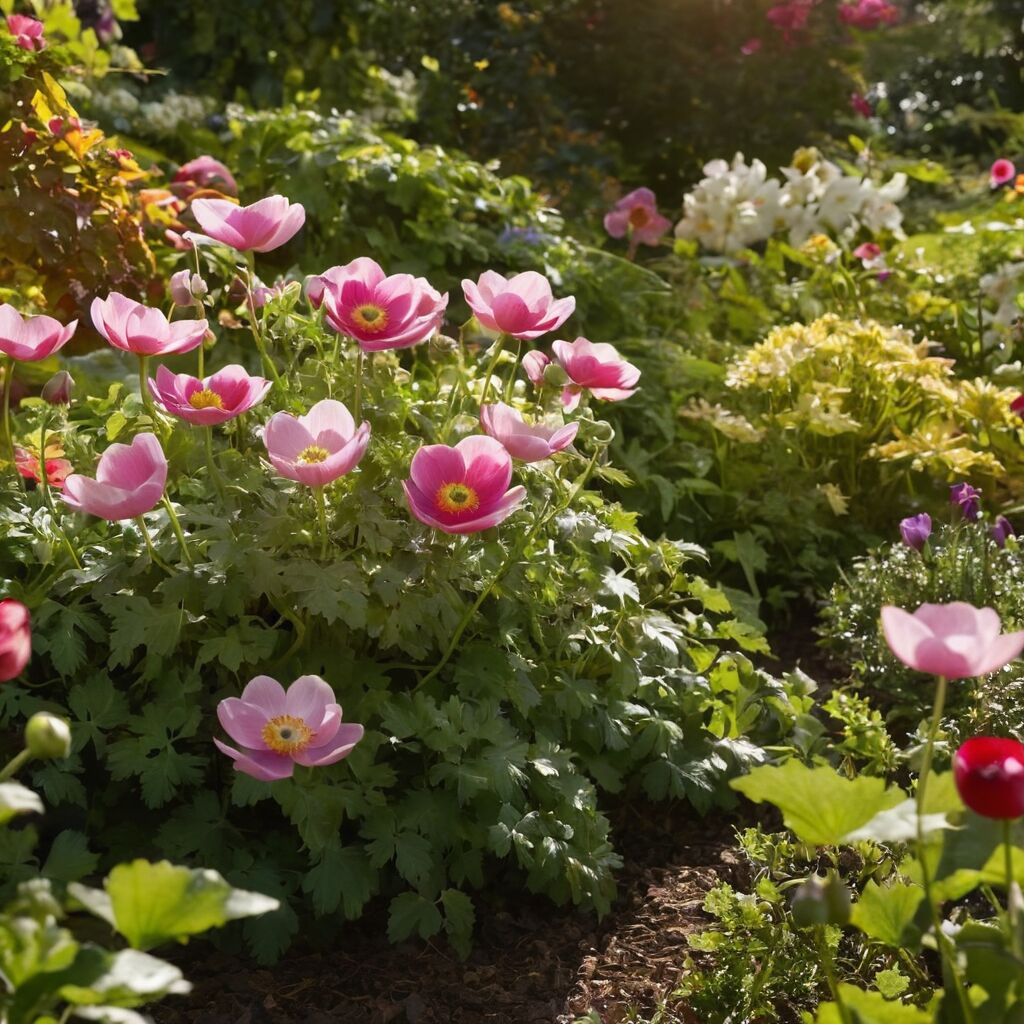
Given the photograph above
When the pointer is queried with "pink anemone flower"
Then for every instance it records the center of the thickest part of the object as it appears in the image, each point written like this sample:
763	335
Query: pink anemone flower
522	306
206	172
129	481
132	327
955	640
317	448
15	638
31	338
278	729
636	215
216	399
1002	172
378	311
598	369
462	489
534	365
260	227
27	32
523	441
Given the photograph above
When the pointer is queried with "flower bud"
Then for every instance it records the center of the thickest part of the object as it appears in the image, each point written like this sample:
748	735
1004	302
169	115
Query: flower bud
821	901
185	287
442	345
59	388
555	376
47	736
915	530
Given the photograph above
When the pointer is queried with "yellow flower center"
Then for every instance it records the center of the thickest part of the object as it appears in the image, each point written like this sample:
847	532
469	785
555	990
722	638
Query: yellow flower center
206	399
370	318
457	498
286	734
313	454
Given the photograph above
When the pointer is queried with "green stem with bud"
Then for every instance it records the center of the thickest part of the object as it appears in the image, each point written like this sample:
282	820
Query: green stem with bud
15	763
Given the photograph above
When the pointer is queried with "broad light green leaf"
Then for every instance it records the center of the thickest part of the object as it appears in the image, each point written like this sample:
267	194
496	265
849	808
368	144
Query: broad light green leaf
131	978
819	805
411	912
154	903
17	799
886	913
871	1008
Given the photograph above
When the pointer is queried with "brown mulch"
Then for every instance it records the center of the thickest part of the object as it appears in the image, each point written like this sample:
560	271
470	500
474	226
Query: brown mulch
532	963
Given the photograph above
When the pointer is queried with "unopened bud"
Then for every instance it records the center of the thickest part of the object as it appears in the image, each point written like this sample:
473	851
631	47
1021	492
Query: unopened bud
59	388
821	901
555	376
186	287
47	736
442	345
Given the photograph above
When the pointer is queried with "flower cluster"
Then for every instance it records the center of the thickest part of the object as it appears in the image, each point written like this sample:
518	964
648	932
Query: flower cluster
738	205
868	14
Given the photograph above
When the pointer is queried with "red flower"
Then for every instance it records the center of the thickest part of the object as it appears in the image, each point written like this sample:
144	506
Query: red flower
15	638
27	465
989	773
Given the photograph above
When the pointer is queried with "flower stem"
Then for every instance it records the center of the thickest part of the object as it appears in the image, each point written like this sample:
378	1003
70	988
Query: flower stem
357	398
499	347
8	381
257	332
510	385
14	764
176	526
1012	919
211	463
147	398
829	967
321	515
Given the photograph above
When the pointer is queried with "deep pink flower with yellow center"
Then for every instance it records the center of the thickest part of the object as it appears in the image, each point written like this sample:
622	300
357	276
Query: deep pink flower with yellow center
636	215
132	327
522	306
462	489
278	729
379	311
214	399
259	227
528	442
31	338
597	368
317	448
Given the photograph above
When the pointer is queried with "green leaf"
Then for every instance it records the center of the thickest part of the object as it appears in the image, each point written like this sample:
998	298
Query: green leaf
819	805
17	799
130	978
343	876
891	983
154	903
459	918
70	858
411	912
886	913
871	1008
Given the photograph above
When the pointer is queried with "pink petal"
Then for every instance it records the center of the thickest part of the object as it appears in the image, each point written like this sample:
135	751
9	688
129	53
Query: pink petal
266	693
308	698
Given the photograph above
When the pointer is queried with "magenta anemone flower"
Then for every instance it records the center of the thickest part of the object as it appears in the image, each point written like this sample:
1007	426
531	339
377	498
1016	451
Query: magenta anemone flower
129	481
989	775
15	639
317	448
31	338
205	172
915	530
132	327
967	499
278	729
215	399
859	104
27	32
523	441
953	640
636	215
260	227
1001	173
598	369
378	311
1001	531
462	489
522	306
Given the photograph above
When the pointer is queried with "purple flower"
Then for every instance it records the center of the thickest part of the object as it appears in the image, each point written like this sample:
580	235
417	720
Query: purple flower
1001	529
915	530
967	499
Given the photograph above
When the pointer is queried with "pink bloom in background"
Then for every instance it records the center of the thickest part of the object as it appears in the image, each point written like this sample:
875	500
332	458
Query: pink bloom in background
317	448
534	364
260	227
205	172
462	489
751	46
867	251
278	729
953	640
636	215
522	305
129	481
598	369
27	464
790	17
27	32
30	338
523	441
215	399
262	294
132	327
15	638
379	311
860	105
868	14
1001	173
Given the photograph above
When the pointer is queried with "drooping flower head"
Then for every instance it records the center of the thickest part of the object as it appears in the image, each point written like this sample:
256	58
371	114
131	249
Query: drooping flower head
598	369
522	306
259	227
15	639
317	448
380	312
129	481
215	399
989	774
524	441
534	364
1001	173
462	489
132	327
1001	530
915	530
636	215
31	338
278	729
27	32
967	499
953	640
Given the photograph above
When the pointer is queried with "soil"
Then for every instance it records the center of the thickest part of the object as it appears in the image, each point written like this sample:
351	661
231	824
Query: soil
532	963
